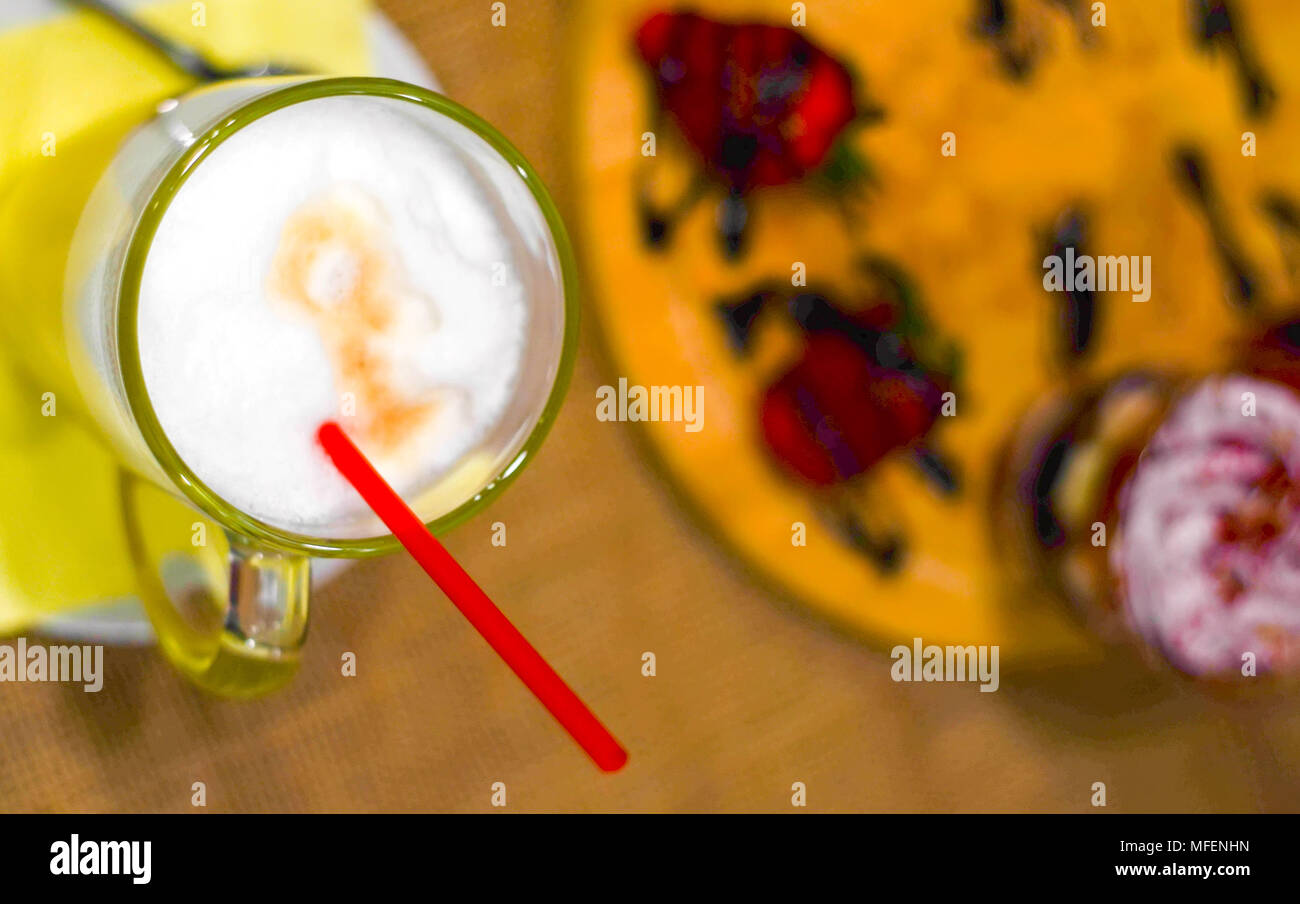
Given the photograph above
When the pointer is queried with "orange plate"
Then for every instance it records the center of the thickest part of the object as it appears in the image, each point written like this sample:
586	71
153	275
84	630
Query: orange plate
1094	125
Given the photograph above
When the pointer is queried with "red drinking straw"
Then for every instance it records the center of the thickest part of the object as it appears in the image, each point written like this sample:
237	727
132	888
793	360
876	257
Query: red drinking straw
473	603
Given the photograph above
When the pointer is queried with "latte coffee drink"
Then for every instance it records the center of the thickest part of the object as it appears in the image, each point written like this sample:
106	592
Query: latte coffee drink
340	259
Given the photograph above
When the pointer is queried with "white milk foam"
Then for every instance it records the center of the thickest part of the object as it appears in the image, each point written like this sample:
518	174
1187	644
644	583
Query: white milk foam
338	250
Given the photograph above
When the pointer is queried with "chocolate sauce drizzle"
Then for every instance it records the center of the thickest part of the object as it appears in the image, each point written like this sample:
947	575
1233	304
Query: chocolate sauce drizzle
1078	313
1215	24
1193	176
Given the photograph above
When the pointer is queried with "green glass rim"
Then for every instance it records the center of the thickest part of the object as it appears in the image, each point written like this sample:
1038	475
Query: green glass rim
146	419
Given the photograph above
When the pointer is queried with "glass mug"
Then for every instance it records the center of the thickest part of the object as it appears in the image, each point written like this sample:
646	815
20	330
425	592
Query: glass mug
1068	472
243	639
1059	476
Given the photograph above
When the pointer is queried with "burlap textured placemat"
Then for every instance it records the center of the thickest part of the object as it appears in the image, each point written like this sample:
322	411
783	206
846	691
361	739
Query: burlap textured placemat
600	566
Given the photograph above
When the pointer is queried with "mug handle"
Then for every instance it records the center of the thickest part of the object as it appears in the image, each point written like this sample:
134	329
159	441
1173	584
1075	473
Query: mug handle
243	643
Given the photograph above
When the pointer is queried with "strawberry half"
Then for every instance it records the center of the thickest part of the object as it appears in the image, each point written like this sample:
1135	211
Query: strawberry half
760	104
836	413
1275	354
868	381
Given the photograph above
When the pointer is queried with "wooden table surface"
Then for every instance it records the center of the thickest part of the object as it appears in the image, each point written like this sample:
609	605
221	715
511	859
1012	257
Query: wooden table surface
601	565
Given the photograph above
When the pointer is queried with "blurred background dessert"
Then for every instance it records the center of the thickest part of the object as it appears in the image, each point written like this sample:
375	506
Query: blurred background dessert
1206	547
1163	511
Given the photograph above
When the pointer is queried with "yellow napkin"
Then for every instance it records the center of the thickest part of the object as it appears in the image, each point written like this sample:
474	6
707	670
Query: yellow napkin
70	90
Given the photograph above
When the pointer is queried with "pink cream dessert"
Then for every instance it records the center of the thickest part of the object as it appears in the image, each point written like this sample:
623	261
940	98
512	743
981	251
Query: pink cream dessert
1207	550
